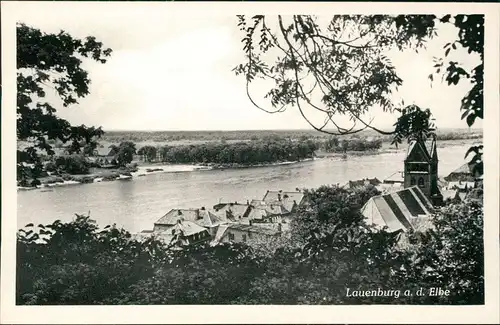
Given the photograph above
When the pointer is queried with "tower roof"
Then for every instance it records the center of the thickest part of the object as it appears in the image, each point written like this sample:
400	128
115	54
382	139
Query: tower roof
428	147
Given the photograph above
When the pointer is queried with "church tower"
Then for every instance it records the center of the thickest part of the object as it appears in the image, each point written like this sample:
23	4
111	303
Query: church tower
421	168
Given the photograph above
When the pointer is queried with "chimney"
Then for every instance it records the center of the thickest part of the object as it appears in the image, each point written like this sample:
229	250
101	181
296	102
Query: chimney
250	222
179	212
198	216
203	208
279	196
248	202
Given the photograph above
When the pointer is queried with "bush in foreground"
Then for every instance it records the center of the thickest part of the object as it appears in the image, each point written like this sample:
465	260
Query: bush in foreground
78	263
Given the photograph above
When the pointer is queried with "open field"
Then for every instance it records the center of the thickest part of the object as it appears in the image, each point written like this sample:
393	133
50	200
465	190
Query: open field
178	138
196	137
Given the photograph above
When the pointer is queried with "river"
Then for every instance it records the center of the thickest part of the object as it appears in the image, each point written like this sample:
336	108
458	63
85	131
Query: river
136	204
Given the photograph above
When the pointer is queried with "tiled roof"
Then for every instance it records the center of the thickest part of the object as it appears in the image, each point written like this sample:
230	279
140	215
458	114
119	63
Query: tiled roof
105	151
396	177
201	217
187	228
266	229
253	229
220	233
272	208
288	199
389	188
397	210
362	183
229	211
464	173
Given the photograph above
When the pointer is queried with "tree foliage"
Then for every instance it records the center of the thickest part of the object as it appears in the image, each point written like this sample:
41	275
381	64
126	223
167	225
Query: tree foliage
149	152
124	152
51	62
339	67
451	254
255	152
72	164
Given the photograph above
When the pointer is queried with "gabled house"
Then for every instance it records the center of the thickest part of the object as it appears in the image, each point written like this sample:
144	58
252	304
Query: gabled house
464	173
399	211
289	200
268	211
232	211
201	217
361	183
451	195
183	233
239	233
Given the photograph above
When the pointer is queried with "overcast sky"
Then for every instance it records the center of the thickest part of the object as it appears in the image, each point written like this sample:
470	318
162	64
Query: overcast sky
173	72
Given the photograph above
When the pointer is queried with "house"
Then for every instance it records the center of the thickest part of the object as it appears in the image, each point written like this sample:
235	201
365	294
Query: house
386	188
421	168
201	217
451	195
464	173
361	183
105	157
183	233
399	211
238	233
268	212
255	211
462	186
395	178
289	200
232	211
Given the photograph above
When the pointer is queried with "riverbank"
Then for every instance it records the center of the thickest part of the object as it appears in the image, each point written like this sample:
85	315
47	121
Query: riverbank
108	175
144	169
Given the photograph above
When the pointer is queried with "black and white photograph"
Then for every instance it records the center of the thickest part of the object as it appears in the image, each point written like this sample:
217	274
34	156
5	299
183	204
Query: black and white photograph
170	156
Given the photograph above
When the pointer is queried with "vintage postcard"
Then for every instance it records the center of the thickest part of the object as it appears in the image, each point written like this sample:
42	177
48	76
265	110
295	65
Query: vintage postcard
249	162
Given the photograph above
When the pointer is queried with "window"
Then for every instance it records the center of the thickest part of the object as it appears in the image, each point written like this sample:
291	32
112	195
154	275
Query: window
421	182
413	181
231	236
244	237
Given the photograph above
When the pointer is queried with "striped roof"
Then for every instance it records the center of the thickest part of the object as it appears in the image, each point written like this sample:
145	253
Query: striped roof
398	210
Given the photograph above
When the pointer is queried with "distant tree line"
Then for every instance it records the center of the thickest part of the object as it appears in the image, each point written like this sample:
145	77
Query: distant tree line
255	152
333	144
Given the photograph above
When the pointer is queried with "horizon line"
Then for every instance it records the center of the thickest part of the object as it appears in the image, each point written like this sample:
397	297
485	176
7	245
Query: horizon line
256	130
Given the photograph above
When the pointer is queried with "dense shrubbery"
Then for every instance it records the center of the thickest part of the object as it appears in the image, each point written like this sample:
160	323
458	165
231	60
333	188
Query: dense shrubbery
266	151
330	249
71	164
